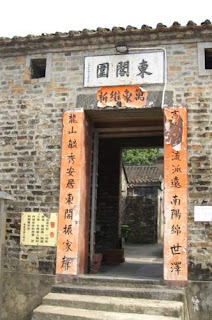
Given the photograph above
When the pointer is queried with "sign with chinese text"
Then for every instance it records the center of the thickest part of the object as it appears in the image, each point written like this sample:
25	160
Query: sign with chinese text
175	194
38	230
125	69
125	96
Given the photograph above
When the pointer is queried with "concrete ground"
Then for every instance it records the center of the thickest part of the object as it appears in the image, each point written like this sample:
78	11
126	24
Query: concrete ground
141	262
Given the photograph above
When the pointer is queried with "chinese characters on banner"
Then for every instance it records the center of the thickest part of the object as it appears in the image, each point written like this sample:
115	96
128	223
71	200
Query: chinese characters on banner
69	208
175	193
124	96
125	69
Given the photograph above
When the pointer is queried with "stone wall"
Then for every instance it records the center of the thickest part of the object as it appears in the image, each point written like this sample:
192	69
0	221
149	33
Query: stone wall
22	293
140	213
31	125
199	300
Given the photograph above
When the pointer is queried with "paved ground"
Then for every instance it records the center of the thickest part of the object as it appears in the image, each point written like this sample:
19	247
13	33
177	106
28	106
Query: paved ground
141	262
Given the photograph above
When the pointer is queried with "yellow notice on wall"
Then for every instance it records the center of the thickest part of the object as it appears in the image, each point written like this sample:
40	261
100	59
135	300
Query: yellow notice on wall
38	230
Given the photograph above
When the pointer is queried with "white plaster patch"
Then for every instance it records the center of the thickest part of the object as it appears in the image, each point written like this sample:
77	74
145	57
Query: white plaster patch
203	213
195	302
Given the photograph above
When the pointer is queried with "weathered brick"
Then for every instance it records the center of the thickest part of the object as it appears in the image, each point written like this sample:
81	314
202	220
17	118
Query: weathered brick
31	112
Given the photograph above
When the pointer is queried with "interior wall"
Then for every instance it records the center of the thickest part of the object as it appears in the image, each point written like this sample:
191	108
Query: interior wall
107	216
108	192
140	213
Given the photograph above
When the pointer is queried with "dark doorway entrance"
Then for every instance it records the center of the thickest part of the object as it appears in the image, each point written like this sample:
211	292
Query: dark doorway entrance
131	128
140	212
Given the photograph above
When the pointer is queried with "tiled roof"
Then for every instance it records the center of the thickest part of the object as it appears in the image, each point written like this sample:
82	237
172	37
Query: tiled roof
104	32
138	174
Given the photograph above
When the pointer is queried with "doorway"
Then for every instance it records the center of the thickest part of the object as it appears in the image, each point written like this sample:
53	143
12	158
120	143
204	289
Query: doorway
121	256
141	195
115	128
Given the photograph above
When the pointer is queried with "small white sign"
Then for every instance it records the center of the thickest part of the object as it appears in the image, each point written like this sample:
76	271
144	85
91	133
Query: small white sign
203	213
125	69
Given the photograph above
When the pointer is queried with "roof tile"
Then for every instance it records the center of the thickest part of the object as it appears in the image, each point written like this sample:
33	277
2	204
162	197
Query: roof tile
137	174
105	31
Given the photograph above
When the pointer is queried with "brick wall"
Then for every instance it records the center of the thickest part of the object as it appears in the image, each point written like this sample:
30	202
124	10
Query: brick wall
195	92
140	213
30	131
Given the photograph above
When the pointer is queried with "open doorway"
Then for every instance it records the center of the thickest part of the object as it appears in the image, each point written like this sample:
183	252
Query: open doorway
141	196
114	131
141	210
129	208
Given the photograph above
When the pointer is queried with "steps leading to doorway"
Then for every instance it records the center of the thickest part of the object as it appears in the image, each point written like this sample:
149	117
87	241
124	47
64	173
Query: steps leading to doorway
140	293
114	304
97	280
95	298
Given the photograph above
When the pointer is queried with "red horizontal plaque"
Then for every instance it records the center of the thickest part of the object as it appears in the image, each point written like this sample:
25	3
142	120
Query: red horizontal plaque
123	96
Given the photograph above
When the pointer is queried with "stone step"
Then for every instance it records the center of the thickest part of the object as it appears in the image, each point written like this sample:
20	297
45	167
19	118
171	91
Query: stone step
141	293
114	304
97	280
45	312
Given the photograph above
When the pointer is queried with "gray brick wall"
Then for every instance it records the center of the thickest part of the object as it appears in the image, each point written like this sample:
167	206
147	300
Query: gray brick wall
30	131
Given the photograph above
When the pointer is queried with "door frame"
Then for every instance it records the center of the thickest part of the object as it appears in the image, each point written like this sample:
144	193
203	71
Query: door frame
175	245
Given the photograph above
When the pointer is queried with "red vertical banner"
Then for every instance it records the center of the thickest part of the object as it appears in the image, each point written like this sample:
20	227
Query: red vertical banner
175	195
70	201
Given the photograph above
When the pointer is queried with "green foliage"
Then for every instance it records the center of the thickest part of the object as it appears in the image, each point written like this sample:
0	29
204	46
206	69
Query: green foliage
141	156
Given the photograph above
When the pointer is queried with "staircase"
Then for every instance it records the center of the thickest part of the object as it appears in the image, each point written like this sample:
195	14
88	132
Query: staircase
92	297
